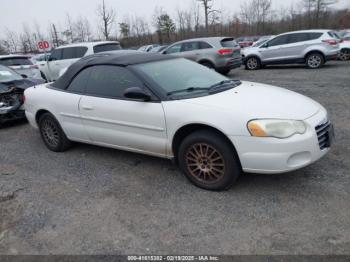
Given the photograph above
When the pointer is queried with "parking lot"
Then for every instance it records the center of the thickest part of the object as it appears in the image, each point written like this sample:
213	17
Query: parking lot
93	200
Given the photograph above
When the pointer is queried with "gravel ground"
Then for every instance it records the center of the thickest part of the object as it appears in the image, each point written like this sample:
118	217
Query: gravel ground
93	200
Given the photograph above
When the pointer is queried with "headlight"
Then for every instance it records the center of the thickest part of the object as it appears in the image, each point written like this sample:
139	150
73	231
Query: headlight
276	128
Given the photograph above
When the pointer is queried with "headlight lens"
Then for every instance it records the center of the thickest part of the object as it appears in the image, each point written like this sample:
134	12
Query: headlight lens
276	128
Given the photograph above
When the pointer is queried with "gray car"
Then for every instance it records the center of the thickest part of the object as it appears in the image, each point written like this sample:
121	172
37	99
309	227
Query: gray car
310	47
219	53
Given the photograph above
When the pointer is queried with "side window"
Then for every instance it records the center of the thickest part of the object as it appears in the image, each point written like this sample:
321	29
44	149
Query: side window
190	46
300	37
174	49
79	82
280	40
313	36
111	81
56	55
73	52
106	47
204	45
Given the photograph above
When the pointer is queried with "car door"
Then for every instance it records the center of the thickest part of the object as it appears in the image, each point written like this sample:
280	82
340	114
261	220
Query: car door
173	50
54	64
190	50
112	120
296	43
272	50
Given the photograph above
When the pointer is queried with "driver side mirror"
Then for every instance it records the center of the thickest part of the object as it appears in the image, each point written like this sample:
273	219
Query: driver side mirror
24	76
137	93
266	45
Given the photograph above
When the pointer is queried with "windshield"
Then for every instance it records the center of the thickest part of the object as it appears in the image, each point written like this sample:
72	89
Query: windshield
181	77
8	75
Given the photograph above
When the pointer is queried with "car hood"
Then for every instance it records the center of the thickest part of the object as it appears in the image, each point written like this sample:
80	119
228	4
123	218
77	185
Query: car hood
21	84
256	101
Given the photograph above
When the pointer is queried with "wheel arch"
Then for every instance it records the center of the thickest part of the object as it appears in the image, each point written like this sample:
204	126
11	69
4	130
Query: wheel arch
251	56
205	60
39	113
188	129
315	51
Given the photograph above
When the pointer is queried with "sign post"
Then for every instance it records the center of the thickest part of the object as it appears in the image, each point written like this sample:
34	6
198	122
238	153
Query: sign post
44	46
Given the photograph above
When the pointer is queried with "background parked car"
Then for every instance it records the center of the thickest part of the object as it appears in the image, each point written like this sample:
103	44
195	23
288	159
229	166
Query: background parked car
12	86
344	45
21	64
147	48
313	47
219	53
246	41
63	56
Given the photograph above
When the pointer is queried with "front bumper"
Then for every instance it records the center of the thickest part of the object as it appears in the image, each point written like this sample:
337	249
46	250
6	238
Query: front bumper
272	155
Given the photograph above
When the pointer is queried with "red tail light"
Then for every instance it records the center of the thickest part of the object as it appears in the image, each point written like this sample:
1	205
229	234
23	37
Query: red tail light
225	51
330	41
22	98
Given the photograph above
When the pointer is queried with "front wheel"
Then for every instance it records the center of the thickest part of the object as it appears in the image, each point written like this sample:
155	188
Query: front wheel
315	60
344	55
252	63
52	133
209	161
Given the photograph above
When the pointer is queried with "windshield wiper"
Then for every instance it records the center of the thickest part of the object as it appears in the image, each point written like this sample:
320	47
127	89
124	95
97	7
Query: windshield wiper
188	90
224	83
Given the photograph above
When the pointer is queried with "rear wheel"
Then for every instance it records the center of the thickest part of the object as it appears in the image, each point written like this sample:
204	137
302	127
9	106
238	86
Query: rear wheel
208	161
344	55
314	60
253	63
208	64
224	71
52	133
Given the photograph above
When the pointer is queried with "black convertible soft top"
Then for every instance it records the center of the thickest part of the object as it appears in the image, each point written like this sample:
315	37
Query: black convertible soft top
118	58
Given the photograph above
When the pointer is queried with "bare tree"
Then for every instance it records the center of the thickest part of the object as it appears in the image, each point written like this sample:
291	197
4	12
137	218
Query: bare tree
82	29
107	17
208	10
11	41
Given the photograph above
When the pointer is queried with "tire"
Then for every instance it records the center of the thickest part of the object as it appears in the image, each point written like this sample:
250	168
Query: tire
208	64
224	71
208	161
315	60
344	55
252	63
52	134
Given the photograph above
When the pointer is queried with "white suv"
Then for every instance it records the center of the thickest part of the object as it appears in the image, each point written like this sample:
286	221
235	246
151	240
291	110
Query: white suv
312	47
63	56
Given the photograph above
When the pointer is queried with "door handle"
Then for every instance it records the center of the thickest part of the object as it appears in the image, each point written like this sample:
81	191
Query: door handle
87	108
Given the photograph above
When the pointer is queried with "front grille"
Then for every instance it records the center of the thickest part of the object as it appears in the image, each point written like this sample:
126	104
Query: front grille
323	135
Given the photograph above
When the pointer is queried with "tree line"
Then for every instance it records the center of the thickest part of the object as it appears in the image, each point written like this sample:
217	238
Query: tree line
201	18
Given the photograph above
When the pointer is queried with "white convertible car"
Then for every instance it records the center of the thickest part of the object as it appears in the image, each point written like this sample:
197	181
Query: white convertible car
212	126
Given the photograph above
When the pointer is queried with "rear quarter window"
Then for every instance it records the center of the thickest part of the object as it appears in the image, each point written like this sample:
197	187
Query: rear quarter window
313	36
228	42
106	48
15	61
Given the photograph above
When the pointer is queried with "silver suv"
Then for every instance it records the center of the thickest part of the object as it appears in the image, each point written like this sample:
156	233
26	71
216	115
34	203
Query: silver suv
312	47
219	53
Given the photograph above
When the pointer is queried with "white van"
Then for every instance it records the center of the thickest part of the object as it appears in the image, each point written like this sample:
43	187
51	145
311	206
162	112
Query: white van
63	56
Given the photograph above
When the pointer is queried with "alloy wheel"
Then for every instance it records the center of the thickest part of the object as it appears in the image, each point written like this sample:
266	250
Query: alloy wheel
50	132
252	63
314	61
344	55
205	163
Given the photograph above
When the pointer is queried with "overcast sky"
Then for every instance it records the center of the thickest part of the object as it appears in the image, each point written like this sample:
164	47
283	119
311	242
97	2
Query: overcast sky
15	13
